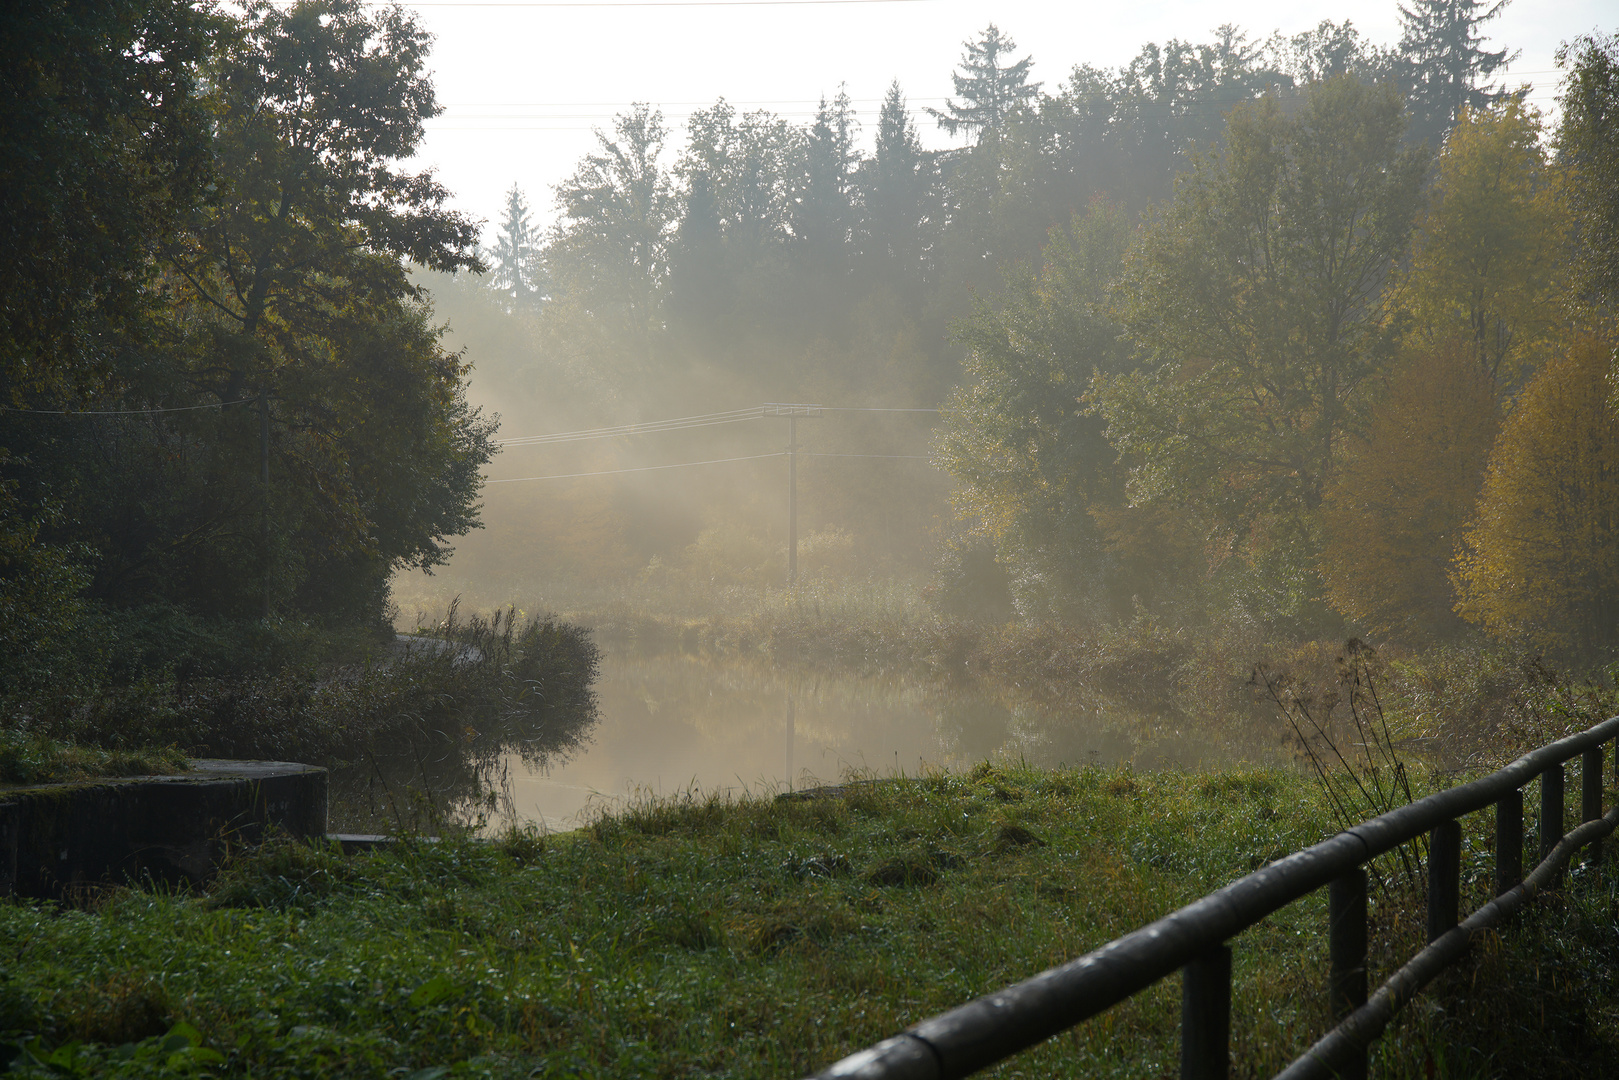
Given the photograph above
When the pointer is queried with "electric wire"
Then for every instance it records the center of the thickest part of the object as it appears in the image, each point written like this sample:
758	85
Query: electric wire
640	469
125	412
679	423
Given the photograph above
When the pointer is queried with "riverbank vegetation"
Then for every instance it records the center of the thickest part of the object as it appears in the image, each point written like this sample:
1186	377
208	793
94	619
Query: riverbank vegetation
769	937
227	416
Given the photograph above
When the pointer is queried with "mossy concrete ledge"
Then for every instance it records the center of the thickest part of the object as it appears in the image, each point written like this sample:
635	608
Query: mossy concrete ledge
57	839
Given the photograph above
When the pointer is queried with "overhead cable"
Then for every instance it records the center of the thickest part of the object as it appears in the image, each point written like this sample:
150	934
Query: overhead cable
125	412
679	423
643	468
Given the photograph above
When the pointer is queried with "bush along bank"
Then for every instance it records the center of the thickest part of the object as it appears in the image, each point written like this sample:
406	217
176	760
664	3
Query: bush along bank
705	936
496	675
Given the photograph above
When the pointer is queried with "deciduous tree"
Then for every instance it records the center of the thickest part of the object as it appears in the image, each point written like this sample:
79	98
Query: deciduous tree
1542	558
1393	515
1030	459
1588	144
1261	294
1491	256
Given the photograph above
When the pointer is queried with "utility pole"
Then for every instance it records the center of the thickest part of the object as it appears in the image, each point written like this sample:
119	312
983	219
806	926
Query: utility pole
793	413
264	505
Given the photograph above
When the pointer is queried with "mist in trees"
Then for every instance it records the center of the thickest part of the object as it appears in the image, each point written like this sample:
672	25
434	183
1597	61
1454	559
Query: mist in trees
1245	329
1228	332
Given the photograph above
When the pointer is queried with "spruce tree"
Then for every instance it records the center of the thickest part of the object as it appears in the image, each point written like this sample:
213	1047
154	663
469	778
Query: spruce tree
989	92
896	188
1443	65
515	270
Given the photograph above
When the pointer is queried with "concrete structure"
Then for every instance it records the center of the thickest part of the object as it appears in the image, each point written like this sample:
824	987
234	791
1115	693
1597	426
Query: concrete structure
56	839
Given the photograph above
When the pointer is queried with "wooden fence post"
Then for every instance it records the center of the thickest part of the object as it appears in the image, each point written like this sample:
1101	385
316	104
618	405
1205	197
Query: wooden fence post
1509	842
1591	797
1551	816
1444	878
1346	943
1206	1016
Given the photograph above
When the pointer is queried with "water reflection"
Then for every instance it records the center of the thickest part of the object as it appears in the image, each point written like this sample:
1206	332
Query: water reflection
673	722
669	722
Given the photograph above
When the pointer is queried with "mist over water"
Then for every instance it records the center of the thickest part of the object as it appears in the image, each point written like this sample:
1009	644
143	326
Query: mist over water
673	722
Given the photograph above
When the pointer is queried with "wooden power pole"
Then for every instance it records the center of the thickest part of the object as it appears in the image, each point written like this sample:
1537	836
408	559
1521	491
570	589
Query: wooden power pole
793	413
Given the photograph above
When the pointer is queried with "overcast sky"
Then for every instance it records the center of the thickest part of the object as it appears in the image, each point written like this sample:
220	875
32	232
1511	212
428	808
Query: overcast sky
525	83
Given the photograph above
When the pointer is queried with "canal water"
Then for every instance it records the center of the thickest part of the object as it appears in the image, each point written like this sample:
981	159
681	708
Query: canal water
670	723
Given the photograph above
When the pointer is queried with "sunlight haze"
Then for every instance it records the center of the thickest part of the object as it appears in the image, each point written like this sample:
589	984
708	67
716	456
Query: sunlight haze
525	84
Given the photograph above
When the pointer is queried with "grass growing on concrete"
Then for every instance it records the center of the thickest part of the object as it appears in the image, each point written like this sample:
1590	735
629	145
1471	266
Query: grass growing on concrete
710	937
37	759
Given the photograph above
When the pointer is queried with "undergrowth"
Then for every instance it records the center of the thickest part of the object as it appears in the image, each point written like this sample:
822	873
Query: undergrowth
703	935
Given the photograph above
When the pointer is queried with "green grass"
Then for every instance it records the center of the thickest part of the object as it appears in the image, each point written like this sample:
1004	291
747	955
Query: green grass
706	937
37	759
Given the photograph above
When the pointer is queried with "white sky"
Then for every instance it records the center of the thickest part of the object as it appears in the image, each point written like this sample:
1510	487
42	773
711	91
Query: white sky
525	83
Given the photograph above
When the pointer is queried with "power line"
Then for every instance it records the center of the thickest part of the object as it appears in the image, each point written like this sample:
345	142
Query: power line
683	423
124	412
889	457
679	423
856	408
643	468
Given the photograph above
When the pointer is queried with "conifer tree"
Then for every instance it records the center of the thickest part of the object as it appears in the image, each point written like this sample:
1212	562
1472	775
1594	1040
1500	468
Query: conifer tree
822	210
989	91
896	189
515	268
1443	64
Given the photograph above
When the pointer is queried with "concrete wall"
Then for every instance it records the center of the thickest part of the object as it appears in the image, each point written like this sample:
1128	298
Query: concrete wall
60	838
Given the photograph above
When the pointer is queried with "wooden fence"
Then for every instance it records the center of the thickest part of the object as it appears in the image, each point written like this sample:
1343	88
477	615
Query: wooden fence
1193	939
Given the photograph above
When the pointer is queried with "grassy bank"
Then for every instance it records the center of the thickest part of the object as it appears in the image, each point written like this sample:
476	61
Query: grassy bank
703	937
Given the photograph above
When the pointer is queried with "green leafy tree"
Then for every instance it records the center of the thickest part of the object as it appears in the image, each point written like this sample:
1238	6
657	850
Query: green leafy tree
1260	293
103	152
1588	144
1443	64
991	90
609	251
1031	461
289	286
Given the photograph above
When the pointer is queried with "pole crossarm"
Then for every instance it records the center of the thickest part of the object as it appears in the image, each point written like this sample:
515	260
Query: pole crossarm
994	1027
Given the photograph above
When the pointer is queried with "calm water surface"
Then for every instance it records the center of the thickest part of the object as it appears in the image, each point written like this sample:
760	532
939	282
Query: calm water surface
670	723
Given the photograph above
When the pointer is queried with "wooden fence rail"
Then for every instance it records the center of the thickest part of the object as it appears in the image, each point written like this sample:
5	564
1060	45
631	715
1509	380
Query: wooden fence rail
1193	939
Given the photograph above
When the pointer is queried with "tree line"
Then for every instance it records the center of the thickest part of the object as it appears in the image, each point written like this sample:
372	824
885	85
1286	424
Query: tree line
1239	329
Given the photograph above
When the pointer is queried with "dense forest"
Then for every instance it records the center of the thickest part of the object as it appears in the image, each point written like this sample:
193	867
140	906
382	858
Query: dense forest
1305	332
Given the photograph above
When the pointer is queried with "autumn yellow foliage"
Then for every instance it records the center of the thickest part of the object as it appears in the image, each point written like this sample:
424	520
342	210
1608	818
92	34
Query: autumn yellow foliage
1542	555
1491	251
1392	517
